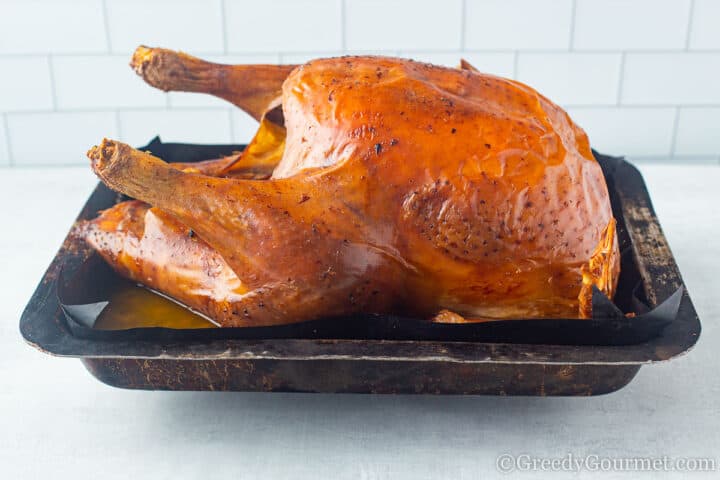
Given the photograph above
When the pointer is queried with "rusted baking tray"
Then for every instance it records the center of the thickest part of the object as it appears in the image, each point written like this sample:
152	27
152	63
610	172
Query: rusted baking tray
383	354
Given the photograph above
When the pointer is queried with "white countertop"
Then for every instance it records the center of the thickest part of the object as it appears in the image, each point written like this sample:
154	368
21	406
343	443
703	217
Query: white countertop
56	421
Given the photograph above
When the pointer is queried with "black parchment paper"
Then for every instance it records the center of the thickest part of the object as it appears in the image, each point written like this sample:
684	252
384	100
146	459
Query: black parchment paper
84	294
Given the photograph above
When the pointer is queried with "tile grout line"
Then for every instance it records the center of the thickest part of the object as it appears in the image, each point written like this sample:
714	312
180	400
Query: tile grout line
8	147
343	25
232	126
684	160
53	87
632	106
463	25
223	11
106	24
673	140
118	125
691	12
573	16
621	75
110	109
663	51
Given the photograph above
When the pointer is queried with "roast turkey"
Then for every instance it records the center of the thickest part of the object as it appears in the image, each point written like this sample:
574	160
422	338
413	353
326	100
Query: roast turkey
374	184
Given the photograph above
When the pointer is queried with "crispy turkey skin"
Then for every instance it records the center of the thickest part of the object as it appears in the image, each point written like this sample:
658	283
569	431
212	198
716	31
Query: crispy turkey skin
402	187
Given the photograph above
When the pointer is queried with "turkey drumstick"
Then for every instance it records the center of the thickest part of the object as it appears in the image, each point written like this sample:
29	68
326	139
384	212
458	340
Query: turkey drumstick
273	234
253	88
149	246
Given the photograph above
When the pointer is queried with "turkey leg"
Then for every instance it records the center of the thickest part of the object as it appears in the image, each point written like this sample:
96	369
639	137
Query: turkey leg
253	88
149	246
292	245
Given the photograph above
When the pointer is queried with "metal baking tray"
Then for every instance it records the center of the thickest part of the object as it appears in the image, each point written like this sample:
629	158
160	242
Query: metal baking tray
348	359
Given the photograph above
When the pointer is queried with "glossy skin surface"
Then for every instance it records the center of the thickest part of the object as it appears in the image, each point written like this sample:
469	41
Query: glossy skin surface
148	246
250	87
406	188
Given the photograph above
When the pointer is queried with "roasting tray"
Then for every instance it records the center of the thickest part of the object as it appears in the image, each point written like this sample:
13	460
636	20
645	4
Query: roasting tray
357	362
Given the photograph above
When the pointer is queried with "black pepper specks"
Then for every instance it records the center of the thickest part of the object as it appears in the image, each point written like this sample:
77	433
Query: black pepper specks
378	148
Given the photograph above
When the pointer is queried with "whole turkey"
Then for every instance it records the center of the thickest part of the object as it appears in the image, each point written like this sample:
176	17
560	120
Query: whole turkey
374	184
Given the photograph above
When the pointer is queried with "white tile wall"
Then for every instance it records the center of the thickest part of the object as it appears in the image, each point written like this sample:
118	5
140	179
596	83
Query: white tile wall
244	126
518	24
572	78
502	64
91	82
629	131
698	131
675	78
57	26
4	153
631	24
188	25
283	25
57	138
704	31
384	25
25	84
641	76
187	125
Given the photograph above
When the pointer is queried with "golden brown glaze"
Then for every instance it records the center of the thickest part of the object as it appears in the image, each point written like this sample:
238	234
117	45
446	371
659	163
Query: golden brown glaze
150	247
403	187
251	87
257	161
168	258
215	167
120	236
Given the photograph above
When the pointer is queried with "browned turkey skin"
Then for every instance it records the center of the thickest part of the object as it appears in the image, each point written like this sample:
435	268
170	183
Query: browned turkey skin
401	187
